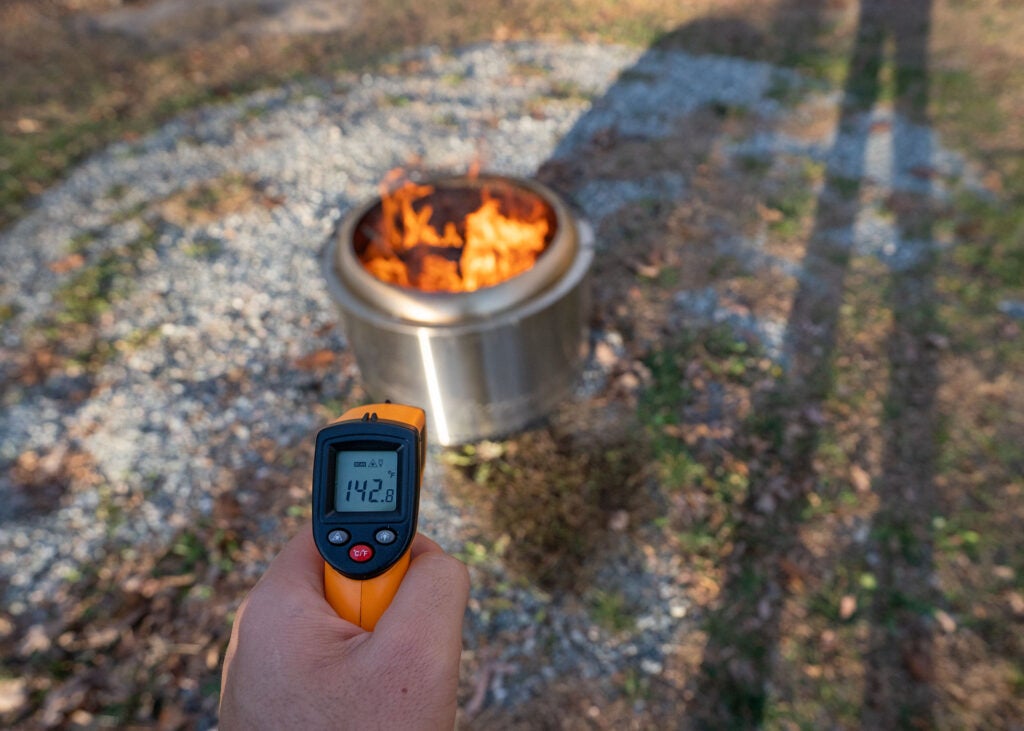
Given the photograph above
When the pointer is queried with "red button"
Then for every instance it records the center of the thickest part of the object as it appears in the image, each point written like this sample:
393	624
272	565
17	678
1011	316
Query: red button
360	553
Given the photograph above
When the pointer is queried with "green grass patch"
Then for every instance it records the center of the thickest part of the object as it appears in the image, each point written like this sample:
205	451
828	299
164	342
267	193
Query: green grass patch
8	312
793	197
830	67
635	685
612	610
754	164
204	248
689	459
990	239
90	291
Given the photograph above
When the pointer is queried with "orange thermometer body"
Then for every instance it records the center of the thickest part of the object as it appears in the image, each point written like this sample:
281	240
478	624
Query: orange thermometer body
367	472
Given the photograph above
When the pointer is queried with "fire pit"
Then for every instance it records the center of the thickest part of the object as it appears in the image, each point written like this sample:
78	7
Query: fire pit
485	338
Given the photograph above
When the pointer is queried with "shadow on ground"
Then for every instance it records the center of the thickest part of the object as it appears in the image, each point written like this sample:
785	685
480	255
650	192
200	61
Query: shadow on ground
680	245
736	672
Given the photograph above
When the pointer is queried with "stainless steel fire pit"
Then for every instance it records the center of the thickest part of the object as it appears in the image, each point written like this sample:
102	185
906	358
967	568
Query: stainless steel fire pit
483	363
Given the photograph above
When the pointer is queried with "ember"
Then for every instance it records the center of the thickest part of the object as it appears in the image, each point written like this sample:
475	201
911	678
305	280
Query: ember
499	239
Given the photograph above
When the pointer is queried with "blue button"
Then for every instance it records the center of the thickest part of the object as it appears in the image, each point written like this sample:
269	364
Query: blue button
385	536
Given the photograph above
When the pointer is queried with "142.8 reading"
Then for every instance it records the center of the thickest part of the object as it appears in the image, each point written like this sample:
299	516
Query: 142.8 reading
368	494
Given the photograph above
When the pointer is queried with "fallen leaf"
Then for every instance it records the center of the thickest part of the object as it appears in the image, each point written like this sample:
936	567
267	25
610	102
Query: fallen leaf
993	181
171	718
67	264
860	478
847	606
37	639
316	360
13	694
918	665
946	622
1016	603
83	718
828	639
769	215
619	521
648	271
1006	573
27	125
794	575
152	587
672	430
605	356
628	382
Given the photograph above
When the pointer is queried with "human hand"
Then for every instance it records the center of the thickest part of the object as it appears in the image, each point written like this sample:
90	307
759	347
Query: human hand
293	663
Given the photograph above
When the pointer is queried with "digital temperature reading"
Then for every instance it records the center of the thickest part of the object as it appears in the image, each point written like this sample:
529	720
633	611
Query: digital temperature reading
366	481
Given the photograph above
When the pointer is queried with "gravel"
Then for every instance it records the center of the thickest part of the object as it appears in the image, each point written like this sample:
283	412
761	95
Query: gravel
167	416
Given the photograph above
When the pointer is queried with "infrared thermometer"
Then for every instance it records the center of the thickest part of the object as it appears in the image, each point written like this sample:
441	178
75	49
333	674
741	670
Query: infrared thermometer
367	471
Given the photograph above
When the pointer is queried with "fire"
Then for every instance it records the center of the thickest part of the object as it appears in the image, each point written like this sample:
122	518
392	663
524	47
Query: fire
500	239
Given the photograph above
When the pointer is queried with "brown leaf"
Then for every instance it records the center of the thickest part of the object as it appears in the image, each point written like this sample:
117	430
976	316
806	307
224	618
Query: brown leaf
1016	603
847	606
648	271
316	360
27	125
13	694
993	181
605	356
152	587
171	718
672	430
946	622
860	478
67	264
37	639
919	665
769	215
794	574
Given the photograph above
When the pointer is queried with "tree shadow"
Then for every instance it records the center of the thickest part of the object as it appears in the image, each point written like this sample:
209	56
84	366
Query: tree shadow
665	241
744	632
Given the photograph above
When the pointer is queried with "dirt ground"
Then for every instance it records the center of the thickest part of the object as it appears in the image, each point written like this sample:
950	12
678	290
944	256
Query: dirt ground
850	523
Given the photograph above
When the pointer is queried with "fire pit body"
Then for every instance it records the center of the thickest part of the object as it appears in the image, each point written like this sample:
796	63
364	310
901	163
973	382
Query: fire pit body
482	363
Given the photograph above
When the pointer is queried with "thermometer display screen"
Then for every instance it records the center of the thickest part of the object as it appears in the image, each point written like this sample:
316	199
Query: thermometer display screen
366	481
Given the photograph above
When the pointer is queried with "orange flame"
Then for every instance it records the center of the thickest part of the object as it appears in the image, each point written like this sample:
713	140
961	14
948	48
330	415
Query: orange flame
488	246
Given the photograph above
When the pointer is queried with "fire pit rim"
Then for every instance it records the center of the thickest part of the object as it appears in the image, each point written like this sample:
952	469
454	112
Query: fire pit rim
455	308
